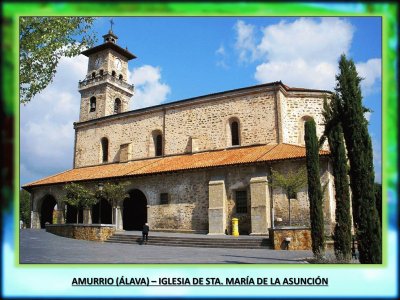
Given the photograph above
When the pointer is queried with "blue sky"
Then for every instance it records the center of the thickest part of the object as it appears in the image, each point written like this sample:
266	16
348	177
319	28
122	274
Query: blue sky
183	57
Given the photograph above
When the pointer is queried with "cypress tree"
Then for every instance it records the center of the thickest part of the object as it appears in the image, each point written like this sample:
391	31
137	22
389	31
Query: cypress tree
314	188
378	200
359	151
333	131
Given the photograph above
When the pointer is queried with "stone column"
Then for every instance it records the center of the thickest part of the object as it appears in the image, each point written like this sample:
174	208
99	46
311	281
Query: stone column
35	220
87	216
260	206
216	207
117	215
60	216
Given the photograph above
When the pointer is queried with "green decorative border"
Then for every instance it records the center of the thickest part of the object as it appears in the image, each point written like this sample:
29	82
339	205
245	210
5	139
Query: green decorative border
388	13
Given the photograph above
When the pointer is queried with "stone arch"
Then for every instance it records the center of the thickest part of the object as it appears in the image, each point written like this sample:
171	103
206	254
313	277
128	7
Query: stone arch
233	132
92	106
134	213
47	209
302	121
117	106
156	143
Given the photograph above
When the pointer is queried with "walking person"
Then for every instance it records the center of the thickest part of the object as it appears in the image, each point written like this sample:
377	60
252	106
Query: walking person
145	233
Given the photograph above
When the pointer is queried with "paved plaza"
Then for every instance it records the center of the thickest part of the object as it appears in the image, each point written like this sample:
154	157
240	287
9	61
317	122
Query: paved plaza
38	246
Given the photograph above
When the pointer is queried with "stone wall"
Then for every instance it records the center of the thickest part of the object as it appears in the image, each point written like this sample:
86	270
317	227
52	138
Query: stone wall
300	238
208	122
82	231
297	107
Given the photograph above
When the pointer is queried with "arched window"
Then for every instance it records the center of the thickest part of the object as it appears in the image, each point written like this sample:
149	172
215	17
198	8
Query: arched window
158	144
104	149
113	73
92	104
101	72
93	74
302	123
120	77
235	133
117	106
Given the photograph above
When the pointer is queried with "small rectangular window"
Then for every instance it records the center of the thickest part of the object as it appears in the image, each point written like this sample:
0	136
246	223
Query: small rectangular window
164	198
241	201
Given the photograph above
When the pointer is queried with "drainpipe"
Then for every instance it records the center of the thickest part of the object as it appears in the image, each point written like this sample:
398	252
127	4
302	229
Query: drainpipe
73	163
163	135
277	113
271	197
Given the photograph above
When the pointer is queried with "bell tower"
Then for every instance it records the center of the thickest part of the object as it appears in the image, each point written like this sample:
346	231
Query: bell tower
105	90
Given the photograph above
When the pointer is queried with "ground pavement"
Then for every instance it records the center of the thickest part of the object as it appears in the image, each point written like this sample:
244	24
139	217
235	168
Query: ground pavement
39	246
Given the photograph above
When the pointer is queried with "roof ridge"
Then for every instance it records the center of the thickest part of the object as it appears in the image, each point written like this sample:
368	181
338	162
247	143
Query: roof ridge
152	162
265	153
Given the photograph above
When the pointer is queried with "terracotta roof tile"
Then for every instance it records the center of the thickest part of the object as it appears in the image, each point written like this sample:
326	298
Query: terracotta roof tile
231	156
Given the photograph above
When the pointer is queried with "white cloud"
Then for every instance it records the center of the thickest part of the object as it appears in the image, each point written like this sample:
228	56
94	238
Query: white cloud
149	90
46	130
302	53
371	72
222	57
221	50
245	41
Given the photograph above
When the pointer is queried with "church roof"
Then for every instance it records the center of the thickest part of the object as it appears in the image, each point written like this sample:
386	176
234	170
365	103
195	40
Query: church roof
112	46
175	163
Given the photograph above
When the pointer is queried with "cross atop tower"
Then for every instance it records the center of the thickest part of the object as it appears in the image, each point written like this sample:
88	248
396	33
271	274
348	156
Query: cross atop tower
111	23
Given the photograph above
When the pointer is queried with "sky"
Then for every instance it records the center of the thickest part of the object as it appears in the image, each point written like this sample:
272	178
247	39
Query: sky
184	57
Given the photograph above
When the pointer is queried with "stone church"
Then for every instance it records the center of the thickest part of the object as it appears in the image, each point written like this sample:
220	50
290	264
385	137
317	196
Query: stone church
190	165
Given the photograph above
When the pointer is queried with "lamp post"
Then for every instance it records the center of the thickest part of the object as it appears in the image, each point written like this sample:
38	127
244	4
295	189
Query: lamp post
100	186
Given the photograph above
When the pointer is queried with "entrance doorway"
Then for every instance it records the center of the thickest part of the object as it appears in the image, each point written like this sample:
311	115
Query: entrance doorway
47	210
102	212
135	211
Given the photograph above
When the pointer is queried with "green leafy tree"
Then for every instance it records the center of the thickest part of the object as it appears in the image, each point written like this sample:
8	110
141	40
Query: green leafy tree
43	41
334	133
79	197
314	189
359	151
290	182
112	193
25	208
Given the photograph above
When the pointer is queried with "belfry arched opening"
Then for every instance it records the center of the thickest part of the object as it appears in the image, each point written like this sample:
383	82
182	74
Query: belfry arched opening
47	210
134	211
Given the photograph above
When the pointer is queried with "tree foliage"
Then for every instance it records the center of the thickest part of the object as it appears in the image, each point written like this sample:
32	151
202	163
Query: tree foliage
378	200
25	208
78	196
112	193
359	150
334	133
43	41
314	188
290	182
